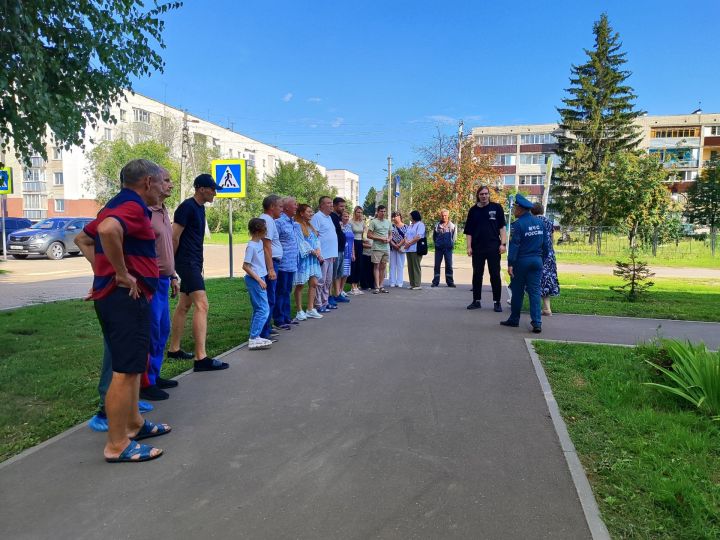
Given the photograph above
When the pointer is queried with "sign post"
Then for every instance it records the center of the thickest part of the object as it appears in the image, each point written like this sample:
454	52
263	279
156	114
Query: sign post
231	176
397	191
5	188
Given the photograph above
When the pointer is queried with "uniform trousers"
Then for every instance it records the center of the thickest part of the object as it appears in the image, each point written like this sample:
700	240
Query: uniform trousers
527	272
478	263
397	267
440	254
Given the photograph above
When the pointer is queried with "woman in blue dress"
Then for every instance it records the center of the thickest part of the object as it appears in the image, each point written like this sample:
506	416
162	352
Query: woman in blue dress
349	252
309	260
549	285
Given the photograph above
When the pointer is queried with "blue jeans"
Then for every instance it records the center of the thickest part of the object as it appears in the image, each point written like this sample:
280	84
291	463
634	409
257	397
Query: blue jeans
283	289
261	309
271	287
527	272
160	329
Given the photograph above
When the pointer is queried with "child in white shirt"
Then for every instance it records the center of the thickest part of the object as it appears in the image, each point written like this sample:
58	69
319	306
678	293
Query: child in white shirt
255	272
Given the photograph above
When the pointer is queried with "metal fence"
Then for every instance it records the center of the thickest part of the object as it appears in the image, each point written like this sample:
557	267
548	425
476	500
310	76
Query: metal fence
614	242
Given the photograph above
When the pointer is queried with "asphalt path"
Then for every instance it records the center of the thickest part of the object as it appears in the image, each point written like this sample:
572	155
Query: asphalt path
397	416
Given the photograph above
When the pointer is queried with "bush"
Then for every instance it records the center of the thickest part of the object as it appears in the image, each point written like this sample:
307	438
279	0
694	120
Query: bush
695	372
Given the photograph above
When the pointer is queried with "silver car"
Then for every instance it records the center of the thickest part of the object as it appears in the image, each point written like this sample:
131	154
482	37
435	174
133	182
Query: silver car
52	237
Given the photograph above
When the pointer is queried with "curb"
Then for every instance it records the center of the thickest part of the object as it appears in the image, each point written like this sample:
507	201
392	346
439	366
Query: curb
597	527
29	451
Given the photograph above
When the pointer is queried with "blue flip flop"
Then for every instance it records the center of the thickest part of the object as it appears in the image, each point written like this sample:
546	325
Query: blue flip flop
148	430
143	451
144	406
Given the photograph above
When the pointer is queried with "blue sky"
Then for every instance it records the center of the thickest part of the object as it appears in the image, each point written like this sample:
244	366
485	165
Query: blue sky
347	84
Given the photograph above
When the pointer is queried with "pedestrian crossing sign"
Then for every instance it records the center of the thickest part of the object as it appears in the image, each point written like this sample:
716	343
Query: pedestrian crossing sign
230	175
6	187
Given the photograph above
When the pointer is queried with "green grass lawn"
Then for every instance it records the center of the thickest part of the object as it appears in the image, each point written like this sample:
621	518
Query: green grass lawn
222	238
51	355
652	461
670	298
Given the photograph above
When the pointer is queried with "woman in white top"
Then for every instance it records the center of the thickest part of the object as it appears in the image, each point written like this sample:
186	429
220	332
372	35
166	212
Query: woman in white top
414	233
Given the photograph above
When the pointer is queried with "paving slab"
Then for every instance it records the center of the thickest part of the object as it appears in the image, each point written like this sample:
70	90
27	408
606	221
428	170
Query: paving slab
397	416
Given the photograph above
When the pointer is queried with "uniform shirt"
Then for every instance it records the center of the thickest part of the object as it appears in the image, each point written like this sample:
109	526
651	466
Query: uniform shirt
326	233
272	235
444	235
528	238
255	255
484	225
337	221
288	240
416	230
191	216
163	239
380	227
138	245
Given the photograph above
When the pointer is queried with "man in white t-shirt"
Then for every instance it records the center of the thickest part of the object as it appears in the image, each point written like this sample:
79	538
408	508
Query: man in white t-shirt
272	208
325	227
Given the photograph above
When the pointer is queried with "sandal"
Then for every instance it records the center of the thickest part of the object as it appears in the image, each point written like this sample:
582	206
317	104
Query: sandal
142	451
149	429
384	290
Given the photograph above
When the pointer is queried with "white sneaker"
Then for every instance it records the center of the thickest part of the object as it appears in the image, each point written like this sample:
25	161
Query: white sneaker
343	294
268	342
313	314
358	291
418	288
301	316
257	344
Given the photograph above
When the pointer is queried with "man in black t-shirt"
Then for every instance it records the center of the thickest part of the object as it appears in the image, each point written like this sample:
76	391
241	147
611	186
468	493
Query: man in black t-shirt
486	241
188	236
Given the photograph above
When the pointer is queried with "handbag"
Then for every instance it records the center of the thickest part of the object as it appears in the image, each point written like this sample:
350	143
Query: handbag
422	247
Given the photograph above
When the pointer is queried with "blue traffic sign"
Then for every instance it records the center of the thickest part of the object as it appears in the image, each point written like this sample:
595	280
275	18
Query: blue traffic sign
230	177
5	181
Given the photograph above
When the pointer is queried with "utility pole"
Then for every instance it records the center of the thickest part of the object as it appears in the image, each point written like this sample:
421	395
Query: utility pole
460	138
389	188
183	155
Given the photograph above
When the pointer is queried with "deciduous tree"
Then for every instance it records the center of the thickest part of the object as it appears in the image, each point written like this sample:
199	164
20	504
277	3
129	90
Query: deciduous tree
64	63
703	206
301	179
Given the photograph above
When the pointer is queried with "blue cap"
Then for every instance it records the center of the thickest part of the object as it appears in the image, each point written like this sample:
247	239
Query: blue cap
522	202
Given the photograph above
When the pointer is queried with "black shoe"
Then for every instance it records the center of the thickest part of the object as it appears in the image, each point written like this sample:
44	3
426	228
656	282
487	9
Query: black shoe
180	355
497	308
153	393
536	329
165	383
475	305
433	284
509	323
451	285
209	364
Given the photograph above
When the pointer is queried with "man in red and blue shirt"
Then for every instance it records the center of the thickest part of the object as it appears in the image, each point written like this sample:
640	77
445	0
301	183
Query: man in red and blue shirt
120	245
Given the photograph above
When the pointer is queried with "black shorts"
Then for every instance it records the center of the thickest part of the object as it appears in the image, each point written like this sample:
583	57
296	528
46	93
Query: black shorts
126	327
191	279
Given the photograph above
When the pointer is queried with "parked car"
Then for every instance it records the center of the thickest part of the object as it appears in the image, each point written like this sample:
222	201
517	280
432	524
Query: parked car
53	237
13	224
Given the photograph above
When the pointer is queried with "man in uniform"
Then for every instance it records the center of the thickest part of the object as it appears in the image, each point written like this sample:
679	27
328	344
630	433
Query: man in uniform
529	245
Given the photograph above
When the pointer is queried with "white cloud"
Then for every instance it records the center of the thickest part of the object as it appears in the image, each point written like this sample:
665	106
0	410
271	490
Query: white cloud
337	122
287	97
442	119
314	99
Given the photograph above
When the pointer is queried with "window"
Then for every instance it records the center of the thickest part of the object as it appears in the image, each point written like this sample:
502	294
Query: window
683	176
36	162
715	130
58	179
538	138
141	115
57	153
497	140
532	179
532	159
504	159
509	179
59	205
107	134
658	133
123	115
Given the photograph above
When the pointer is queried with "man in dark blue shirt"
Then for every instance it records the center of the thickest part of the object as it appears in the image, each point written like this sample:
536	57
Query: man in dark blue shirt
188	235
529	244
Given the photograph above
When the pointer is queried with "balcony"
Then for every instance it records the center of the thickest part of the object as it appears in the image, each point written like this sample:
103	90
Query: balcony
674	142
34	187
681	164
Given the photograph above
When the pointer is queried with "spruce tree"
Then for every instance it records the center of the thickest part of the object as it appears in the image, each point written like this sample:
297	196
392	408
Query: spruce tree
596	123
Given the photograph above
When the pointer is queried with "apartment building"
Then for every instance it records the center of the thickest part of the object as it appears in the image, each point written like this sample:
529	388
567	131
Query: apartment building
684	143
60	185
347	184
